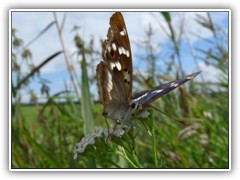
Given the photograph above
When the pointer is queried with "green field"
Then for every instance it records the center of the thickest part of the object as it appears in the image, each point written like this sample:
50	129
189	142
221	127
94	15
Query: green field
47	135
46	138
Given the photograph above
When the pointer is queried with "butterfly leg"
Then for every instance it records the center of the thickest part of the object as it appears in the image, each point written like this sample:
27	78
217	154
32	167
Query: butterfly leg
107	126
115	127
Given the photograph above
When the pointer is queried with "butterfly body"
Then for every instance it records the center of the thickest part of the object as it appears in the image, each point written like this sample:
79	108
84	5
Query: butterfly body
114	77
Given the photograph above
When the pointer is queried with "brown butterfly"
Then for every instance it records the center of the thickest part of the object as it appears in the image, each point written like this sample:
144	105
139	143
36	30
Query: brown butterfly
114	77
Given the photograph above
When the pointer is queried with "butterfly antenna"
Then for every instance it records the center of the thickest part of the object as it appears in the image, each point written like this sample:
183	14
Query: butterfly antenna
173	118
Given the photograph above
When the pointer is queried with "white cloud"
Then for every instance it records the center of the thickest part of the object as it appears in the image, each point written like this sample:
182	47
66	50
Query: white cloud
192	28
97	24
209	72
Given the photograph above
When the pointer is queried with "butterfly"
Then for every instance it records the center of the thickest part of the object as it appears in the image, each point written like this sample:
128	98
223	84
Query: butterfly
115	77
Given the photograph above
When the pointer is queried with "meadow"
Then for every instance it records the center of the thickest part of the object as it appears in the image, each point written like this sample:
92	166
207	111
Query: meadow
44	135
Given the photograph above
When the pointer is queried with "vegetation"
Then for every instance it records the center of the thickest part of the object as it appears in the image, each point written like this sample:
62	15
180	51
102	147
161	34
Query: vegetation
44	135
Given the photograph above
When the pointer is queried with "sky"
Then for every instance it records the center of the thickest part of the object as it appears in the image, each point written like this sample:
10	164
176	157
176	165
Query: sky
96	24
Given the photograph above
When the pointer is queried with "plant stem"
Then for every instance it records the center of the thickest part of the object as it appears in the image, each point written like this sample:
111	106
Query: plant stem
136	160
125	156
154	143
67	58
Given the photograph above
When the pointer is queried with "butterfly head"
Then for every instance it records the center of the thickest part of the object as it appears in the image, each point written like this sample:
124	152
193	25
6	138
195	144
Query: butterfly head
123	112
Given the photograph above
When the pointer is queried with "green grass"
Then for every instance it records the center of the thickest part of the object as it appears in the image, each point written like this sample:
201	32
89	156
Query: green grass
47	138
30	111
44	136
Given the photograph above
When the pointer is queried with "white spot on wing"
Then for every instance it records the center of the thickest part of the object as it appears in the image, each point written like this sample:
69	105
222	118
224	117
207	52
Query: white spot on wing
120	50
127	53
157	91
112	65
123	32
114	46
123	50
142	96
126	75
110	84
174	84
108	48
189	77
118	65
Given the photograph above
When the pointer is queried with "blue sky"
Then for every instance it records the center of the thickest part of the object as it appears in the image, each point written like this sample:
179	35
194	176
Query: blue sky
96	24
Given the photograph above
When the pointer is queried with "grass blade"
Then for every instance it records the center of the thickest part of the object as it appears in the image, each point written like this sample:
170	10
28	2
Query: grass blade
41	33
36	69
87	113
40	149
167	18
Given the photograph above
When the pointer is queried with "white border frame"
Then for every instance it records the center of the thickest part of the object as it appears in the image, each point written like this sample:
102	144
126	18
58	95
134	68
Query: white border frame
123	10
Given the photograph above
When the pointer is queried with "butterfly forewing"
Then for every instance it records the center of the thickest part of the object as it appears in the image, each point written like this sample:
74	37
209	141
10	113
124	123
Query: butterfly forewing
114	73
117	55
149	96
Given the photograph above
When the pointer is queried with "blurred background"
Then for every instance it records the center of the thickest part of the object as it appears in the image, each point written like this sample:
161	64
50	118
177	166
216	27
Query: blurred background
55	100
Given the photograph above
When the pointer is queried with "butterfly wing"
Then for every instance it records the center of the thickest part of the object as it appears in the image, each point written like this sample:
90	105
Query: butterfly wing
147	97
114	73
114	76
117	56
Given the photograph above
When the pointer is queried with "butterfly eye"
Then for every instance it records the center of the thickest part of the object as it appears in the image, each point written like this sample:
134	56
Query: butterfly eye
105	114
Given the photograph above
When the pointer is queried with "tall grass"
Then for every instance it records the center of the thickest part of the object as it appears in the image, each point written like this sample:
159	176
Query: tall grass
44	135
